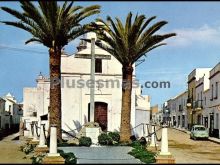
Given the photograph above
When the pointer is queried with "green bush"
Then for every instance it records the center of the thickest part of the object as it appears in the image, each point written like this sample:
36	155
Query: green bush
27	148
85	141
114	136
105	139
141	153
38	159
69	157
65	144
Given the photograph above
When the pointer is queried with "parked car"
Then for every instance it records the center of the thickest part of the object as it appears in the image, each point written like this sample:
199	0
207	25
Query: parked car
199	131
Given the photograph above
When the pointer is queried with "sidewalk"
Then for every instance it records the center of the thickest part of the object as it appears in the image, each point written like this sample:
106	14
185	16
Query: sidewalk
212	139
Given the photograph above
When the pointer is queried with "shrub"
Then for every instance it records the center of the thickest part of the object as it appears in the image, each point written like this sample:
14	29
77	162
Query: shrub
27	148
105	139
114	136
65	144
85	141
142	141
133	138
69	157
37	159
141	153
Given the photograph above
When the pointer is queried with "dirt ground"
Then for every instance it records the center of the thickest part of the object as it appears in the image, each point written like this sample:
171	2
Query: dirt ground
186	150
9	151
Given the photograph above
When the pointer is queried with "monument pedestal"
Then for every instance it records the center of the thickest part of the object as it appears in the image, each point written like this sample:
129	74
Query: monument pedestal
165	159
93	133
53	160
29	139
35	142
43	149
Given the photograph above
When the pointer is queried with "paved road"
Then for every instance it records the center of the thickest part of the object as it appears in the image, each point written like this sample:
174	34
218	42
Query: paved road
186	150
102	155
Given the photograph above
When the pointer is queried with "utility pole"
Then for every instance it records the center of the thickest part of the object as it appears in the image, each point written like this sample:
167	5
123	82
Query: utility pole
92	78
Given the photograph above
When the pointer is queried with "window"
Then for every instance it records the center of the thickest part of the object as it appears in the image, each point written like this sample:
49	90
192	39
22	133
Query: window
216	90
9	109
200	128
216	123
201	98
212	93
205	100
98	65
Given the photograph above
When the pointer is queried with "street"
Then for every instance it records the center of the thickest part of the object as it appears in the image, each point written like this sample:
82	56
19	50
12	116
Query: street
186	150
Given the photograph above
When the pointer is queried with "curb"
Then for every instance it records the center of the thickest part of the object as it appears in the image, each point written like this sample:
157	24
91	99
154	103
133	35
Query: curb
217	142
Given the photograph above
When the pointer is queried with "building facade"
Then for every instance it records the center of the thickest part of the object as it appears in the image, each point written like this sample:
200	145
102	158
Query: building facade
2	113
193	77
213	109
203	101
75	89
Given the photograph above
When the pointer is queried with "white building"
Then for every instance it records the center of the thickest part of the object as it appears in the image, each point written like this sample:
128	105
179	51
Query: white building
75	73
13	110
214	105
3	119
177	110
10	112
202	85
181	112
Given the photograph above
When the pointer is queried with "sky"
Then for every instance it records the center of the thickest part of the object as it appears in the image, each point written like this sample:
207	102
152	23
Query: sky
197	45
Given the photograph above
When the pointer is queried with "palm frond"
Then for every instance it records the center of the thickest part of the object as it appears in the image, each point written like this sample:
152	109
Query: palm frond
132	40
50	22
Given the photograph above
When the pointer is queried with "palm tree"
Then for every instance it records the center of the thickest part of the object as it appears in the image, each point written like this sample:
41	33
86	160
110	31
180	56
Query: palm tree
128	43
54	26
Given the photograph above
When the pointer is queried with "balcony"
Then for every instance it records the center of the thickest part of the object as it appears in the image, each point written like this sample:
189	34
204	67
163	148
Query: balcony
198	105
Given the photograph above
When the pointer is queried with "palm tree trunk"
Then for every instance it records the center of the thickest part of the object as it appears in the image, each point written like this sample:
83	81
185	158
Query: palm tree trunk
125	131
55	89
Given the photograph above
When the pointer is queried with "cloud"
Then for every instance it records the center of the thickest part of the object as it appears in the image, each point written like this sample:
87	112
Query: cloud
189	36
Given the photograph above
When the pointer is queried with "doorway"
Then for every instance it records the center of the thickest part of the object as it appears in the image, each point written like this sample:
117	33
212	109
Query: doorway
101	114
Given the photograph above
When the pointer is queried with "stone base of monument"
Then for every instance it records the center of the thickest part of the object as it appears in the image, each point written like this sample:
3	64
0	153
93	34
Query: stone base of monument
43	149
165	159
93	133
53	159
29	139
35	142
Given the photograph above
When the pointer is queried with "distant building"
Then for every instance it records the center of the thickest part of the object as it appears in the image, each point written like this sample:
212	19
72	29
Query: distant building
3	119
13	111
203	101
213	101
193	77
